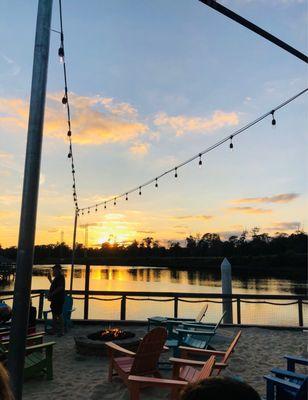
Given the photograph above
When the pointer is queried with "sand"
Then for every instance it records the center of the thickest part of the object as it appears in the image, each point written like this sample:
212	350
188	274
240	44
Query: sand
85	377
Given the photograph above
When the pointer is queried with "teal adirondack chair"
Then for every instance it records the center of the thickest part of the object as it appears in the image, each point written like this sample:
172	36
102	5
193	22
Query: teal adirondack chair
194	335
38	359
67	312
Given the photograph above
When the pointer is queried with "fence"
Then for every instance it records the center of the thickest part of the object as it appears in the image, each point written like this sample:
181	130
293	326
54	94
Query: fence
238	300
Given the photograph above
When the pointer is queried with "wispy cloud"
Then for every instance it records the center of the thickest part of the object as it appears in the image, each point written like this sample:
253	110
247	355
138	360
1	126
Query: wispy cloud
250	210
193	217
182	124
96	120
147	232
140	149
278	198
284	226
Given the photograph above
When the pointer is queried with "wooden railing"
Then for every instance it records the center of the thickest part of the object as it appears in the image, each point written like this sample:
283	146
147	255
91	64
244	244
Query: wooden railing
175	297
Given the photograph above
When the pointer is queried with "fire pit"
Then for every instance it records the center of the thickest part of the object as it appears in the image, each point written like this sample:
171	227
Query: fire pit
94	343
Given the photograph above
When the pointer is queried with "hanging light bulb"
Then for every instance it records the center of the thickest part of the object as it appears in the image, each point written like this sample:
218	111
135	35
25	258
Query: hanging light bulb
105	205
89	210
82	213
96	208
273	118
175	172
231	144
70	156
156	183
115	202
200	160
126	197
61	54
64	100
69	133
139	190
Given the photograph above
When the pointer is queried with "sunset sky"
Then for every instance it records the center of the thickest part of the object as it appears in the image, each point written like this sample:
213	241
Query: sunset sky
152	83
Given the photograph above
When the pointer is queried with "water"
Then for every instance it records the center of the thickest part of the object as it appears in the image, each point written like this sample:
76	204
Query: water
149	279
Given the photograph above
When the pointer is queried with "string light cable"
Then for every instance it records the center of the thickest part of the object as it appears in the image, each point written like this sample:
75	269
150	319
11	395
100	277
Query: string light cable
66	104
197	156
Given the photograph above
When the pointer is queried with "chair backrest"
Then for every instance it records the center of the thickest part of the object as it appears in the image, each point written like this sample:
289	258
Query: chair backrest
231	347
206	370
202	313
219	322
148	352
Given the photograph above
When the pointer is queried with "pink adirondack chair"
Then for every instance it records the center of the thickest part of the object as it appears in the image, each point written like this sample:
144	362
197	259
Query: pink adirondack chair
181	377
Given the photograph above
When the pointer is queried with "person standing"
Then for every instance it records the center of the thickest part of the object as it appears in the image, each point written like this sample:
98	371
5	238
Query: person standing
56	296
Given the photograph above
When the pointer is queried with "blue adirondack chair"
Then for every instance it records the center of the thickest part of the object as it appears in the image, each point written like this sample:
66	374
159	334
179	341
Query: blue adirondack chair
67	312
287	384
193	335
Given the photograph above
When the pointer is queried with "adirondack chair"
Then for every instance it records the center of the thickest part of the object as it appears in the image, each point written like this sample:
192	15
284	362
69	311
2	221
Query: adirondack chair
32	339
186	352
143	362
162	321
193	335
67	312
38	359
181	377
286	385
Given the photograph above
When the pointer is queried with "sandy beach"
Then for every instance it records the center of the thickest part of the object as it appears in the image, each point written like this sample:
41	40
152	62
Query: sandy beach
85	377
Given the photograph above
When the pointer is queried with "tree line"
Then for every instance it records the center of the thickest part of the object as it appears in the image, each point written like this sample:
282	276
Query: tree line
251	243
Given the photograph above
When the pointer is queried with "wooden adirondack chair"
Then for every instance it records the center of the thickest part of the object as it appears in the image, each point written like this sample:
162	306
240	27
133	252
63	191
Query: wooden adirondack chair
186	352
143	362
38	359
181	377
162	321
67	313
286	385
194	335
32	339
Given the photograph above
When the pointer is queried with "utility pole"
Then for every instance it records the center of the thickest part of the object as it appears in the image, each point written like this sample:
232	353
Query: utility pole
22	290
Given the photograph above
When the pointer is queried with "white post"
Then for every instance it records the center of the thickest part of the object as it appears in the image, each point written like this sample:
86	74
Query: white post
226	285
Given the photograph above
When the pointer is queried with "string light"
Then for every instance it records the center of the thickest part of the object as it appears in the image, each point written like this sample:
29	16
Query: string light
207	150
126	197
115	202
273	118
96	208
105	205
61	54
89	210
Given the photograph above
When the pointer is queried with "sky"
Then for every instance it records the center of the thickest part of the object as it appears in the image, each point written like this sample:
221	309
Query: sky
152	83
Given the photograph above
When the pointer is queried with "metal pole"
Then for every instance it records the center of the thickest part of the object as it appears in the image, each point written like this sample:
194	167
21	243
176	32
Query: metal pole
27	225
73	250
226	285
251	26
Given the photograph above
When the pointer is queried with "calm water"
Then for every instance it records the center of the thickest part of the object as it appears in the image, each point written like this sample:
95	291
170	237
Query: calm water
165	280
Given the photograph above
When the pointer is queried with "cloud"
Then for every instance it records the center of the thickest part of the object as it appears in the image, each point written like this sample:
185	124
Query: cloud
250	210
139	149
182	124
278	198
95	120
190	217
284	226
147	232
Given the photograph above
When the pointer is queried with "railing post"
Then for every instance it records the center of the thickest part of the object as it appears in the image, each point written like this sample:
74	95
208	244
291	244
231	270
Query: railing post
238	308
41	306
300	312
86	294
123	308
175	307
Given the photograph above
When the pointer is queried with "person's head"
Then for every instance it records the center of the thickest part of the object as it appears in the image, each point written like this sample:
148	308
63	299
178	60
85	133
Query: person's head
56	270
219	388
5	391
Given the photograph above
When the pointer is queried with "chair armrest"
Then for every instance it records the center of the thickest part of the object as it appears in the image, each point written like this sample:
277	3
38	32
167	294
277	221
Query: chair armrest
281	382
199	325
115	347
220	365
297	360
28	338
39	346
149	381
193	332
180	319
184	361
201	351
288	374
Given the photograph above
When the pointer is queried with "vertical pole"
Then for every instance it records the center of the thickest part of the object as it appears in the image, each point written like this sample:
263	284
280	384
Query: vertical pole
238	307
86	291
175	307
41	306
123	308
27	225
226	284
73	250
300	312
